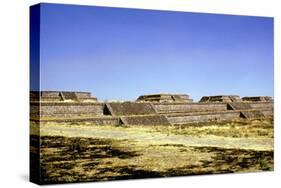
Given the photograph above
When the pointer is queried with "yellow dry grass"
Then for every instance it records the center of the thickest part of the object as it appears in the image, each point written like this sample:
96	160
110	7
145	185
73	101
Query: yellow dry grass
87	152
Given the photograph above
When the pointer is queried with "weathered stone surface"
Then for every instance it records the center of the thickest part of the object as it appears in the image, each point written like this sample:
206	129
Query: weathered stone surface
131	108
161	109
145	120
239	106
258	98
253	114
262	105
53	96
66	109
105	120
221	98
267	113
164	98
188	107
202	117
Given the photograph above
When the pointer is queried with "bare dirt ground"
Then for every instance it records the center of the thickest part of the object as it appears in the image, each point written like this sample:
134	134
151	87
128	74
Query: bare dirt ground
85	152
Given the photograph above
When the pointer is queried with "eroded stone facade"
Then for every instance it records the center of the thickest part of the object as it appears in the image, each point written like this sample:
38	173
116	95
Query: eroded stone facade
157	109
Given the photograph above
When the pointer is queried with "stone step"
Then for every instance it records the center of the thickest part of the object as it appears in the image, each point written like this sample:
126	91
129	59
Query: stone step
103	120
187	118
239	106
69	96
130	108
145	120
253	114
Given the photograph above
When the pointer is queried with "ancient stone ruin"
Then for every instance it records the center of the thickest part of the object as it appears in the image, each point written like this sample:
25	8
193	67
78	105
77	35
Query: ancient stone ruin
164	98
260	99
156	109
63	96
221	98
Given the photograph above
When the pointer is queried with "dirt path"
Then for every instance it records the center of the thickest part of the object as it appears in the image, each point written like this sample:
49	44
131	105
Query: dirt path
146	136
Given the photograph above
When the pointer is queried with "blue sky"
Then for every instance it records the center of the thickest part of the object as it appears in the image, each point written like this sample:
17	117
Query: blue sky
123	53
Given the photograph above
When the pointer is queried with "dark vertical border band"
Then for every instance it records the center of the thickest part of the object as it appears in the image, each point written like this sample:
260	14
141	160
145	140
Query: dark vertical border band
34	52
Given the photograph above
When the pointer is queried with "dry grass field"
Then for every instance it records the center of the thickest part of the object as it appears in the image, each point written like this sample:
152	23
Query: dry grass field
86	152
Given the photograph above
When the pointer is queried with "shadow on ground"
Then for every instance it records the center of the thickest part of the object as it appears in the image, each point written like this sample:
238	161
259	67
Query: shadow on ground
72	159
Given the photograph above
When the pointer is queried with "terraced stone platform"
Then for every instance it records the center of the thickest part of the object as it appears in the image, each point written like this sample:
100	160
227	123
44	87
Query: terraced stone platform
145	120
130	108
168	109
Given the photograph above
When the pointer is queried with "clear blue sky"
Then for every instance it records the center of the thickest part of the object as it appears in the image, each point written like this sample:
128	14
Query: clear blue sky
123	53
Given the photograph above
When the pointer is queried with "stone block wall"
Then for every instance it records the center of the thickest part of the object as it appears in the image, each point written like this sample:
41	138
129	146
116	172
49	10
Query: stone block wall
253	114
55	96
203	117
258	98
221	98
130	108
190	107
67	109
239	106
145	120
105	120
164	98
82	95
267	113
262	105
50	94
145	113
